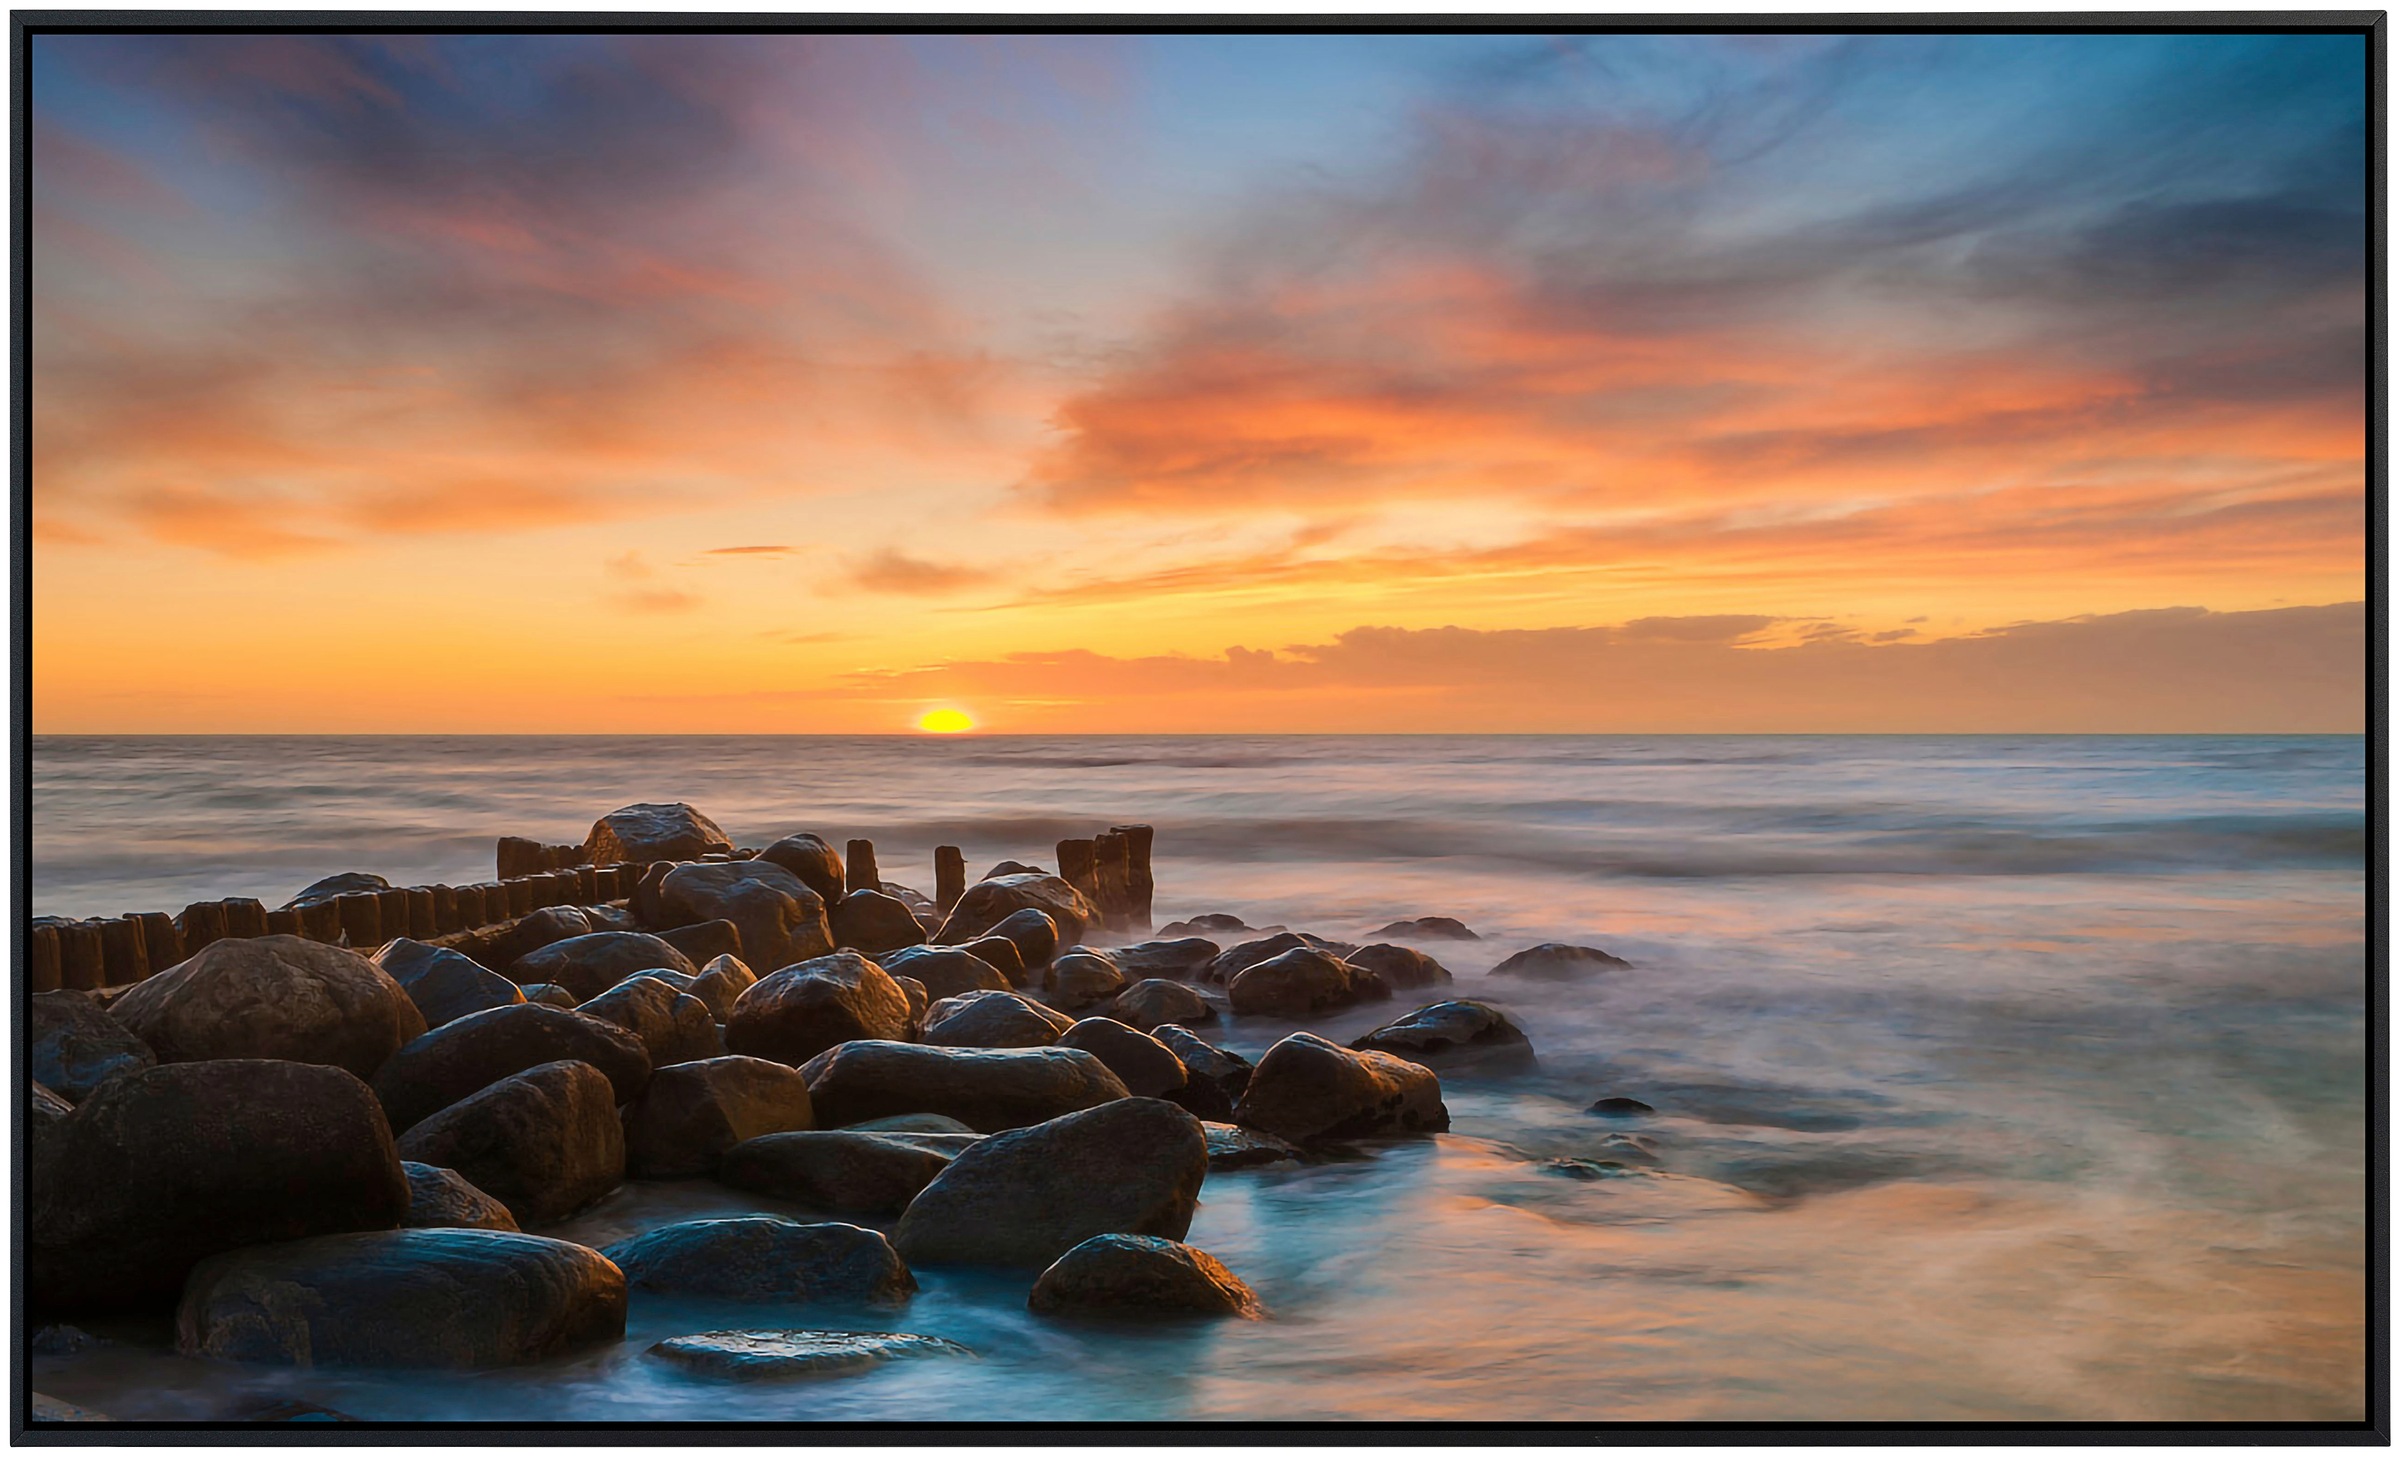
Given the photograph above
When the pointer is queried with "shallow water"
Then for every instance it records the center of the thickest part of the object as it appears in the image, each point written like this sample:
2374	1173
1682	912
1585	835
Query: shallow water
1997	1077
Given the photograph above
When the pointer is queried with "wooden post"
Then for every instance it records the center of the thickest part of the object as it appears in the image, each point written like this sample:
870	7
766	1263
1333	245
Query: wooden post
423	915
41	959
362	918
284	923
861	873
519	856
322	921
245	918
1139	886
520	897
949	875
201	923
82	962
445	909
468	900
124	959
1075	867
391	908
1108	872
160	940
587	885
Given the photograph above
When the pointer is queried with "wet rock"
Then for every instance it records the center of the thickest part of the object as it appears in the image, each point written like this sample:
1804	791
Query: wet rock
872	923
992	1019
442	1199
704	941
1036	935
1001	954
545	1142
1459	1034
443	984
609	918
77	1047
692	1112
801	1010
530	933
589	965
1587	1170
162	1168
277	997
1082	978
640	833
1400	966
721	983
1180	958
762	1257
1214	923
1430	928
768	1355
946	971
1231	1146
673	1026
448	1299
1240	957
1206	1063
1139	1274
913	1123
550	994
1620	1108
988	906
286	1411
45	1114
462	1058
918	1002
1552	961
1307	1090
781	920
1141	1062
65	1340
1155	1001
1013	867
1132	1166
817	864
333	887
841	1171
988	1089
1293	983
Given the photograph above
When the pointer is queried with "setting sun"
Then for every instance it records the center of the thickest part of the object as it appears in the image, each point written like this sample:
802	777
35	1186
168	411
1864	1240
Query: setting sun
945	721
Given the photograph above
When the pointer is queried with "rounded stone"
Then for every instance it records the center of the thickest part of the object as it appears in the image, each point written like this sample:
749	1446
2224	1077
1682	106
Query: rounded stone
765	1258
1134	1274
275	997
767	1355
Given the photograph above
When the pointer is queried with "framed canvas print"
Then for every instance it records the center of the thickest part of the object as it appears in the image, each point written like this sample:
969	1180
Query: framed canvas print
1075	728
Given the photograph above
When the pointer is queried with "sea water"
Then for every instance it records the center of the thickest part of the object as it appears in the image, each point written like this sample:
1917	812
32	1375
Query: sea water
1996	1077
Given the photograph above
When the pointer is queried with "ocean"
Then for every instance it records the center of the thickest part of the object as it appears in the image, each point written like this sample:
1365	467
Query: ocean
1995	1078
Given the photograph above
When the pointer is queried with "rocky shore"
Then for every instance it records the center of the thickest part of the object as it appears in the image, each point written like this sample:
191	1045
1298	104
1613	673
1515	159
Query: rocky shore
331	1134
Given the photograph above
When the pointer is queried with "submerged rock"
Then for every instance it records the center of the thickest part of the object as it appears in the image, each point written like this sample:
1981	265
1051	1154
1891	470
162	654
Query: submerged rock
841	1171
801	1010
1400	966
1240	957
1430	928
545	1142
590	965
77	1047
640	833
1133	1166
1136	1274
450	1299
461	1058
1620	1108
278	997
1307	1090
764	1355
442	1199
1213	923
1553	961
988	1089
1156	1001
1215	1077
1179	957
993	1019
1454	1034
1231	1146
692	1112
762	1257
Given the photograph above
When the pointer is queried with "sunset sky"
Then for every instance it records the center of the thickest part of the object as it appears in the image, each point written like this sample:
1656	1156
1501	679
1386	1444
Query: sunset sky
1163	384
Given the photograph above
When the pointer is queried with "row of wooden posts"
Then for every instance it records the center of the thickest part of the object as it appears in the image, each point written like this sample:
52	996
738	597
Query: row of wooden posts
1112	870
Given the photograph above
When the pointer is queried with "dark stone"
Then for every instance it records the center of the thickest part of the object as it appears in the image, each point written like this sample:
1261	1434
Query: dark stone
988	905
545	1142
721	983
861	873
1552	961
77	1047
443	984
590	965
1140	1274
768	1355
1214	923
334	887
550	994
692	1112
1157	1001
1620	1107
1231	1146
919	1000
1132	1166
781	920
1234	960
801	1010
1180	958
1293	983
672	1025
1082	978
1141	1062
946	971
992	1019
65	1340
841	1171
870	922
460	1059
761	1257
1012	867
1458	1034
277	997
1430	928
705	941
162	1168
640	833
1307	1090
442	1199
446	1299
817	864
1002	955
988	1089
1036	935
1399	966
529	934
1204	1061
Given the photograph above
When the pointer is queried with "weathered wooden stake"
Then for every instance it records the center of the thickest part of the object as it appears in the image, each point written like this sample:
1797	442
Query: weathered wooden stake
587	885
423	915
321	921
1108	872
1076	866
1139	886
82	961
519	856
520	896
124	959
859	869
949	875
362	918
160	940
245	918
41	959
283	923
391	908
202	923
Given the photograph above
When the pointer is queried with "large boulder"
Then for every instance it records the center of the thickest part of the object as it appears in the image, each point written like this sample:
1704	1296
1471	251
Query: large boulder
1456	1034
721	983
643	832
945	971
817	864
780	919
274	997
77	1047
1036	935
160	1169
1222	968
334	887
1025	1198
1155	1001
801	1010
530	933
545	1142
986	1089
703	941
872	923
1180	958
1307	1090
694	1111
1231	1146
1002	956
1140	1274
1082	977
1555	961
992	1019
1205	1061
446	1299
442	1199
988	904
1430	928
590	965
1399	966
763	1257
1141	1062
444	984
673	1026
779	1355
841	1171
1293	983
462	1058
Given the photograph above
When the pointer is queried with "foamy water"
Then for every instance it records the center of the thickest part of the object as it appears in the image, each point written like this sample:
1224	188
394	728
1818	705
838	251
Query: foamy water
1996	1077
